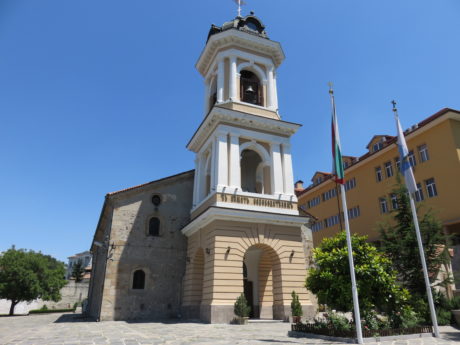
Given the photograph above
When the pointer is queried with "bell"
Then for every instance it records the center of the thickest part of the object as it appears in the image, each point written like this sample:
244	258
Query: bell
250	89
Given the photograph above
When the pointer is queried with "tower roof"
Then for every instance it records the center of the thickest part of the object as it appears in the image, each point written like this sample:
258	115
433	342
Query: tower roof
249	24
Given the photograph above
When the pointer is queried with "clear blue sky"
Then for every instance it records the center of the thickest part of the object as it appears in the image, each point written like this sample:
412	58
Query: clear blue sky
97	96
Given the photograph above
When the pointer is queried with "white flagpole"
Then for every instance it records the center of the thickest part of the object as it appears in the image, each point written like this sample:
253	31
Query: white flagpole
354	289
420	245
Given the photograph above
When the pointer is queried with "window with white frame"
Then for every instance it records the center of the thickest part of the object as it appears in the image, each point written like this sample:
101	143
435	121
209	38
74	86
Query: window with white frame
377	146
419	193
412	160
394	201
431	188
383	205
378	174
398	163
388	169
423	153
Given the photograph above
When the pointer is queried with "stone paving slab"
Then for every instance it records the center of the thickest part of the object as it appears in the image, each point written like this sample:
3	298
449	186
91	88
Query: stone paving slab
71	329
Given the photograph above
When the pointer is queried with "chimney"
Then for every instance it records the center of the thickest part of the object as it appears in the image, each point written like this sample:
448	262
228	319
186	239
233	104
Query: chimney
298	185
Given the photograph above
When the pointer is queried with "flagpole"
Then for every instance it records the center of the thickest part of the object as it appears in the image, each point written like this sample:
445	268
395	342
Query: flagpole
354	289
420	244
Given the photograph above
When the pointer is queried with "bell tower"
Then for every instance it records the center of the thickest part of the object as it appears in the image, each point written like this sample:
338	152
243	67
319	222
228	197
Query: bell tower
244	217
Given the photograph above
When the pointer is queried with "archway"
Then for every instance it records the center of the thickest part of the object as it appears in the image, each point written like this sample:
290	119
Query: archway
262	281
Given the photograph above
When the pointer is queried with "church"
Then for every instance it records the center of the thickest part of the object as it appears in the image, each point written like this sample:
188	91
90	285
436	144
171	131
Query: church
186	246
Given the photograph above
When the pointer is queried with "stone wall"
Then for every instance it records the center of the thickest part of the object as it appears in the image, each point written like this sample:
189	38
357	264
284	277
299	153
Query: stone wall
162	257
21	308
71	293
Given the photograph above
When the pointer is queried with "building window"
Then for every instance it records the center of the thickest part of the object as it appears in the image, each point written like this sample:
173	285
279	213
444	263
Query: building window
318	180
423	152
431	188
378	174
317	226
354	212
138	280
398	163
388	169
313	202
419	193
331	221
154	226
345	164
329	194
377	146
383	205
412	160
251	92
394	201
350	184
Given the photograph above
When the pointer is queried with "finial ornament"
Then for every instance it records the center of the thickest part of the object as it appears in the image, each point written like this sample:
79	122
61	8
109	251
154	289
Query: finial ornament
394	105
331	90
239	3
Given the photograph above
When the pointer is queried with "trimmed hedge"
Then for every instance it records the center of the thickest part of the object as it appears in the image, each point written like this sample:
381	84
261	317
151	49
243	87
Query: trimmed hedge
47	311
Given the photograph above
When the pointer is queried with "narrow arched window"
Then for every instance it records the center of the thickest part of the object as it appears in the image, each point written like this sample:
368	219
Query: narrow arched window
139	280
251	91
154	227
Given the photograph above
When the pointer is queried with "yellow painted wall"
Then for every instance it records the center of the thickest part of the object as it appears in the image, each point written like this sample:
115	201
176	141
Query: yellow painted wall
442	137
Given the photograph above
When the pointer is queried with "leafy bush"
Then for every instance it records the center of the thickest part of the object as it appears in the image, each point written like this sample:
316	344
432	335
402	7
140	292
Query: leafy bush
241	307
339	322
406	318
296	307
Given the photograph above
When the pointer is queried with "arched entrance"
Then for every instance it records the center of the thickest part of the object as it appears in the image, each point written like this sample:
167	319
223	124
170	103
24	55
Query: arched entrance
262	281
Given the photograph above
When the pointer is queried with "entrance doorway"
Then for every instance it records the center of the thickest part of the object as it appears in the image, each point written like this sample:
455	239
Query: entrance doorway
262	281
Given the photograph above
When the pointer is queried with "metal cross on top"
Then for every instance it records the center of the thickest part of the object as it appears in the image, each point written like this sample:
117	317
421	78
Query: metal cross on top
239	3
394	105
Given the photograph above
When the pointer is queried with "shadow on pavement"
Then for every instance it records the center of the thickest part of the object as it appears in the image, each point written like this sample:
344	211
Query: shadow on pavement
73	318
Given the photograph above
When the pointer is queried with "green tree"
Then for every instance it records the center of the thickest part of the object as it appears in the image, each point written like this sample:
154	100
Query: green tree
78	271
399	243
241	307
27	275
376	280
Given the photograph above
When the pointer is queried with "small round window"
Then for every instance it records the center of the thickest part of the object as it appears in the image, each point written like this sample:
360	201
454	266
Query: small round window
156	200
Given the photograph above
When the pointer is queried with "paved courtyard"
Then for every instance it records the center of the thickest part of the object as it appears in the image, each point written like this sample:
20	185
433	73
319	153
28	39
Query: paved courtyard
54	329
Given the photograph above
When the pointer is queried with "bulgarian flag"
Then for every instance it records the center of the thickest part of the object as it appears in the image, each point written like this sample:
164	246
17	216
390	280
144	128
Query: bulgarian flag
337	164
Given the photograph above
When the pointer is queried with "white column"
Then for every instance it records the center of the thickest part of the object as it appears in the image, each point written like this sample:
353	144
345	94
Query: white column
221	160
196	182
220	80
235	169
207	87
287	169
232	94
270	88
275	92
276	169
213	165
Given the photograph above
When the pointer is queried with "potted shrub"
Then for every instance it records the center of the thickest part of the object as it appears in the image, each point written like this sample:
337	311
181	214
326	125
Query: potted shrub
241	310
296	308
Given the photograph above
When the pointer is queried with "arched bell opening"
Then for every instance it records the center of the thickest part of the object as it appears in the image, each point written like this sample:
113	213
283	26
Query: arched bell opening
250	88
250	161
207	178
212	93
262	281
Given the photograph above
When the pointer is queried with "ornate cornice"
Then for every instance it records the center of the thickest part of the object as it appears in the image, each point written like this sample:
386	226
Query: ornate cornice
220	115
242	39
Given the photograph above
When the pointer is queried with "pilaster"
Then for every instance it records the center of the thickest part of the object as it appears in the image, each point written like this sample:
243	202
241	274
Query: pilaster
276	168
235	169
220	80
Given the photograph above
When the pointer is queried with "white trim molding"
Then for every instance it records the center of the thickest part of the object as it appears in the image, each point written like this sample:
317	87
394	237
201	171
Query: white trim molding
235	215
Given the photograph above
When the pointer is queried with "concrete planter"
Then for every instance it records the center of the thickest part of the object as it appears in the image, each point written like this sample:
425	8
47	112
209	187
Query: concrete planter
456	314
